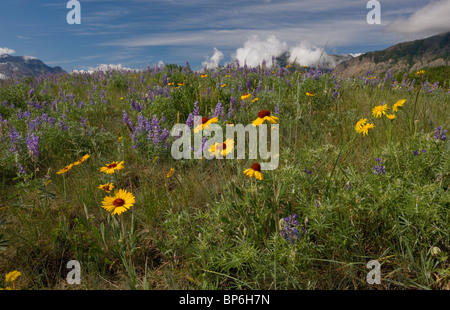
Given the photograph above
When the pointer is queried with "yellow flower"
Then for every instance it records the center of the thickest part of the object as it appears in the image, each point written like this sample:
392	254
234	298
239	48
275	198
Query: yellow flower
112	167
65	169
264	115
288	66
390	116
180	84
121	98
119	139
203	75
106	187
398	104
256	99
170	172
310	94
246	96
360	124
81	160
227	75
223	85
12	276
205	123
365	129
420	73
154	159
119	203
379	110
222	149
254	171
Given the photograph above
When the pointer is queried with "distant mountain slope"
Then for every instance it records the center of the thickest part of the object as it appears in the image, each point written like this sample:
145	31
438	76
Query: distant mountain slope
405	57
22	66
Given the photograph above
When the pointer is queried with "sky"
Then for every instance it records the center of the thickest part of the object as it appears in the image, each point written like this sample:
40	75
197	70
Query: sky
207	33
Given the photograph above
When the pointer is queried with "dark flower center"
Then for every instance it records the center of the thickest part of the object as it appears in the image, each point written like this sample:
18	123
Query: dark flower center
224	146
263	113
114	165
118	202
256	167
204	120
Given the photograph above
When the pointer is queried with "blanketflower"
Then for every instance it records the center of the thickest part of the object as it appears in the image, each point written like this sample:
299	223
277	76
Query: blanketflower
379	110
170	173
222	149
256	99
246	96
106	187
81	160
254	171
205	123
112	167
310	94
264	115
65	169
119	203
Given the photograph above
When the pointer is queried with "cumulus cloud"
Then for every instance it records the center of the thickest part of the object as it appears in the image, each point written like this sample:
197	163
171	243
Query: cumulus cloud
104	67
429	20
5	50
213	61
255	50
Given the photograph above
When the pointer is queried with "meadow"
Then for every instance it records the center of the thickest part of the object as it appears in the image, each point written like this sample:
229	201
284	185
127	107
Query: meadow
87	174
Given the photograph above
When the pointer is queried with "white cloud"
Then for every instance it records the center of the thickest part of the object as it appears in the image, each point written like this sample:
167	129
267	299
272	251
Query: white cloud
256	50
104	67
2	76
306	55
213	61
428	20
5	50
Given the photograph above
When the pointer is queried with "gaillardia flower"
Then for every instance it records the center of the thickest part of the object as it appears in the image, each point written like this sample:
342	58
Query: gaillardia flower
222	149
112	167
205	123
119	203
398	104
246	96
81	160
379	110
170	173
254	171
264	115
106	187
310	94
65	169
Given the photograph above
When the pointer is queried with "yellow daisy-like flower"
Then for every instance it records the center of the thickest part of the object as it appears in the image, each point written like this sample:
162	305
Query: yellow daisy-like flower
398	104
390	116
180	84
222	149
170	84
420	72
121	98
81	160
246	96
119	203
12	276
170	173
256	99
310	94
205	123
65	169
112	167
119	139
223	85
203	75
264	115
227	75
106	187
379	110
360	124
288	66
254	171
365	129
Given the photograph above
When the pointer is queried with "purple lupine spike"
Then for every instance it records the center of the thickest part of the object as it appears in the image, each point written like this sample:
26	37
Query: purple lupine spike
14	136
32	141
219	111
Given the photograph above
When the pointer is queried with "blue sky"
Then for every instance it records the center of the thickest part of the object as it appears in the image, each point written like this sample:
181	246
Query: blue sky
137	33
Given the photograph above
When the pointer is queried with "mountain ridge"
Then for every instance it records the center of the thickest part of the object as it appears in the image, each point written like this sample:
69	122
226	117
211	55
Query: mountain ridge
25	66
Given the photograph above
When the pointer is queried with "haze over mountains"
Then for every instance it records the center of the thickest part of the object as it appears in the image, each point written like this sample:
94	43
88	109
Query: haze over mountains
22	66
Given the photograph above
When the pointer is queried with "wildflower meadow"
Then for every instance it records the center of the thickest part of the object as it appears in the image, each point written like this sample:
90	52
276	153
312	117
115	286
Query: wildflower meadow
87	174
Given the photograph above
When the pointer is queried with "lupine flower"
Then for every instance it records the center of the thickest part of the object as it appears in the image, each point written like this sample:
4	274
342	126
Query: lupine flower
289	229
32	141
195	112
379	169
232	108
15	136
219	112
440	133
254	171
264	115
121	202
112	167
